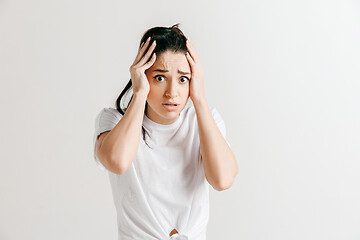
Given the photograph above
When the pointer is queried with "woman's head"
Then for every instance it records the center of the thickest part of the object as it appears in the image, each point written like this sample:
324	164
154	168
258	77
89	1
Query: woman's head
165	87
169	76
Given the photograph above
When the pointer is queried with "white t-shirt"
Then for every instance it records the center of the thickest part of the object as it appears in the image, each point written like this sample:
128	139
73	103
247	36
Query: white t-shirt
165	187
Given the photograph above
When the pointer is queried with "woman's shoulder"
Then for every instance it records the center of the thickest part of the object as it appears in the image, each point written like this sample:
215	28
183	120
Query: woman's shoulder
110	111
108	115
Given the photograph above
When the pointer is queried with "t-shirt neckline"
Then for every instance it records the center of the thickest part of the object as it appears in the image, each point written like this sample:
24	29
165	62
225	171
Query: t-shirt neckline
150	123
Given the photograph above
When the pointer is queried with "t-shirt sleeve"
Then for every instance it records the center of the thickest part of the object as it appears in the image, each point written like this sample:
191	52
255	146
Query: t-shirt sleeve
106	120
219	122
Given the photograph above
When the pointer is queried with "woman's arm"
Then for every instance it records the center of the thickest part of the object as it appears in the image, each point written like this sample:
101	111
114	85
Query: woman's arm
120	145
219	161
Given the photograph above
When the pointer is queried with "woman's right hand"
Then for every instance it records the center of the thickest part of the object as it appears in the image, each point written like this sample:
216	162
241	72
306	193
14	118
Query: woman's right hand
139	80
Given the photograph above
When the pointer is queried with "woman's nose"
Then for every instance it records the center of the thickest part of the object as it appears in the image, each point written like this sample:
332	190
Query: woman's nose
171	90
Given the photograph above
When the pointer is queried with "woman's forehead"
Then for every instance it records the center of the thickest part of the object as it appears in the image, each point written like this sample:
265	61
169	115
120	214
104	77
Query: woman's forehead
171	61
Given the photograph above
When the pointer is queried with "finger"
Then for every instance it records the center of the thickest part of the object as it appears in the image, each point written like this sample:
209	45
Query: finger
192	51
151	62
147	55
141	51
190	59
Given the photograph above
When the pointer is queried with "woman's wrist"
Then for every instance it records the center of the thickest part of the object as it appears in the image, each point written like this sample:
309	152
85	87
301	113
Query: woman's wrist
140	95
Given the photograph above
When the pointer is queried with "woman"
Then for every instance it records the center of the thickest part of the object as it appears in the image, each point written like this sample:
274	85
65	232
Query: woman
162	151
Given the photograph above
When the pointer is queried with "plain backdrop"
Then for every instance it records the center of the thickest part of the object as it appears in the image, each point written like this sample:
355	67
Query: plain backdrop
284	75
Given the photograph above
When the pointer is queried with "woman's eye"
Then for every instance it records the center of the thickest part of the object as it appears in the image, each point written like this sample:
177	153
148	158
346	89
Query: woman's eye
186	79
157	78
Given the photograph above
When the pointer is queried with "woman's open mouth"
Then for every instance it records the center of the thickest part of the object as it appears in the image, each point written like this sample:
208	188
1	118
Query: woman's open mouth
170	106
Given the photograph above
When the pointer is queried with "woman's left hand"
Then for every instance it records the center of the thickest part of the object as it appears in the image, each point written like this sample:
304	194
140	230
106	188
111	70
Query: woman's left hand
197	91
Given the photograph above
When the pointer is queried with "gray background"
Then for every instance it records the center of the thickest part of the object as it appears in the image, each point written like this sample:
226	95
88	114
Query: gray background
284	75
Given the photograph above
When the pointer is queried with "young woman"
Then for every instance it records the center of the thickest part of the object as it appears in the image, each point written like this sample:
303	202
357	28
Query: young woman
162	151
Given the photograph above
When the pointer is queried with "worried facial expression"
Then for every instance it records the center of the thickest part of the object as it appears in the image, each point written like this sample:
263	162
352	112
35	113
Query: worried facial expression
169	80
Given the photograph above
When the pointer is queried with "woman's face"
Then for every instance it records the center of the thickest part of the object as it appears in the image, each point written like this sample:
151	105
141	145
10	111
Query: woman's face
169	83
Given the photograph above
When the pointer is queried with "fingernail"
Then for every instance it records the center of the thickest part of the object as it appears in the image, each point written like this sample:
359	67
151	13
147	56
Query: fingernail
148	38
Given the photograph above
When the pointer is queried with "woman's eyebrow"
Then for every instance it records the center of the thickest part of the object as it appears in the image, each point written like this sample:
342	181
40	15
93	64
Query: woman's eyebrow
161	70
